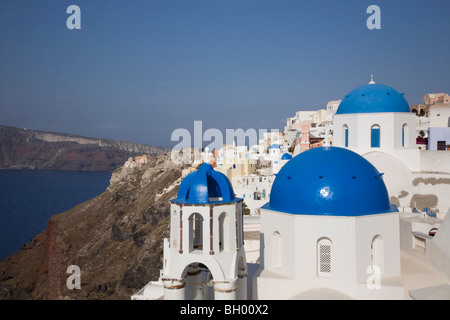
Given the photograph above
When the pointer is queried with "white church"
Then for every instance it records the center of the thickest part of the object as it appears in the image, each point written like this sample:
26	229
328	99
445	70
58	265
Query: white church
329	230
377	117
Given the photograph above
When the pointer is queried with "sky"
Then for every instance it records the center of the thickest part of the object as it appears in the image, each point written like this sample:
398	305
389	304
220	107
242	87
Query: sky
137	70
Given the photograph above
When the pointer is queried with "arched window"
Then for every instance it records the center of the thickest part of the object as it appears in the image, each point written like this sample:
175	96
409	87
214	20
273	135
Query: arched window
377	253
276	250
345	129
195	232
224	231
324	257
375	136
405	137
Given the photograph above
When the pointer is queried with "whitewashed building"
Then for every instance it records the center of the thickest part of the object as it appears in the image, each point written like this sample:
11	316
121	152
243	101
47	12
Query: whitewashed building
254	190
204	256
328	228
377	118
375	121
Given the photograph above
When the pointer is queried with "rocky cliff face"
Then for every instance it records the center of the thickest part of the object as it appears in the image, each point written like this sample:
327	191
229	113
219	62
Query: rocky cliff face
116	240
31	149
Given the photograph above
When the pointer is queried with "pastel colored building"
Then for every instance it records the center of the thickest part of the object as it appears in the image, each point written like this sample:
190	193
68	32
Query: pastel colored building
439	127
436	98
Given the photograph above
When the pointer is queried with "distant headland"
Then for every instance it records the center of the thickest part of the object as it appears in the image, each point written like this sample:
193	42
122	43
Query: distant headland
34	149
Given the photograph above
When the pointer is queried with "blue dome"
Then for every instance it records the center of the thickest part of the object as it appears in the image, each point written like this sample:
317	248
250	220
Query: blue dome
329	181
205	186
286	156
373	98
275	146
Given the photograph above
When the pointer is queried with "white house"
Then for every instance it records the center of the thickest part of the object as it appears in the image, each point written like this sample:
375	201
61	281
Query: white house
254	190
439	127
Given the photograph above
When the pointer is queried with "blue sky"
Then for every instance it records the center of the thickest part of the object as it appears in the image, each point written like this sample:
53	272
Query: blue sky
137	70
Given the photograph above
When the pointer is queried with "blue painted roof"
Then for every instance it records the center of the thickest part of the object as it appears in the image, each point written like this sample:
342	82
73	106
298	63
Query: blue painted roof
275	146
329	181
373	98
286	156
205	183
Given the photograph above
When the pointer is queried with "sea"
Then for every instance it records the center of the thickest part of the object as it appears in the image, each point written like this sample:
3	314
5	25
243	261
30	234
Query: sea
28	198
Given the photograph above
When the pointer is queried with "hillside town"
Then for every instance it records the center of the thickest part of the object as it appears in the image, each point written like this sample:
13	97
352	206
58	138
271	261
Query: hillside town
252	169
368	172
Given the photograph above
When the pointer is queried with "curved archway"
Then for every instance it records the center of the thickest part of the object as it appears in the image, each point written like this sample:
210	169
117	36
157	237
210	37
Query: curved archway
180	271
195	231
394	171
199	282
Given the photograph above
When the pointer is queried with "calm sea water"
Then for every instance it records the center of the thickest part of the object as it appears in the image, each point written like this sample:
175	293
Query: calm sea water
28	198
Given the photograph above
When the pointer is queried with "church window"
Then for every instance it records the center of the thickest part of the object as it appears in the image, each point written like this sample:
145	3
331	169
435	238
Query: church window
345	127
195	232
375	136
324	256
405	135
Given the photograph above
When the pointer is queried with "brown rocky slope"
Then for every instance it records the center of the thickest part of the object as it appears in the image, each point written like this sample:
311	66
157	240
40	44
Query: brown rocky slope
116	240
33	149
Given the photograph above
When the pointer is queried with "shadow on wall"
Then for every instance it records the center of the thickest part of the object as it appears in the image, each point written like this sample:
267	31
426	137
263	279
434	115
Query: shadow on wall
422	201
254	270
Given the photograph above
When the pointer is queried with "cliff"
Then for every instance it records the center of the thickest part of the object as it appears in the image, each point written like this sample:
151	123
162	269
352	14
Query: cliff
116	240
32	149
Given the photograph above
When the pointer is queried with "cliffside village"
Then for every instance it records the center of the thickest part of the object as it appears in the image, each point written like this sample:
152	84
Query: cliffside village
253	170
366	178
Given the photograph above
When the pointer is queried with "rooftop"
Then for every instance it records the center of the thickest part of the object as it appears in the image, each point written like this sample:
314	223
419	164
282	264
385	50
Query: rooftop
373	98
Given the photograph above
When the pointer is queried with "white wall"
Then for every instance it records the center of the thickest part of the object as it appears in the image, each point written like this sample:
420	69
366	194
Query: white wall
351	239
409	189
360	130
359	137
439	116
